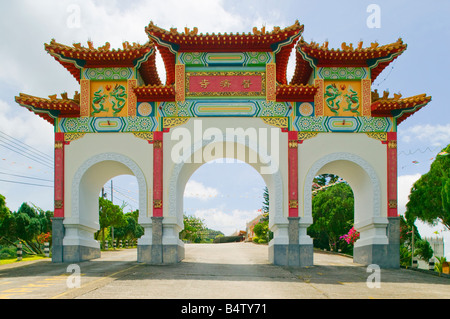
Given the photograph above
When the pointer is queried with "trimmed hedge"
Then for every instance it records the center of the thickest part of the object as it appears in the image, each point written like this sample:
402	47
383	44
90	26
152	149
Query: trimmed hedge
228	239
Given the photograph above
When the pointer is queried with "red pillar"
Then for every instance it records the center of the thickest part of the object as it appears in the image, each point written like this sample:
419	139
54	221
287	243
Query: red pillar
392	173
59	175
158	174
293	173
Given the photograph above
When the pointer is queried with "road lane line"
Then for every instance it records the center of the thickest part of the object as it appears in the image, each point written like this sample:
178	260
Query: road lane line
95	282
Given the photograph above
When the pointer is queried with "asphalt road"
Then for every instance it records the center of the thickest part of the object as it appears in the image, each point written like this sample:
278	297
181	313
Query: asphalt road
215	271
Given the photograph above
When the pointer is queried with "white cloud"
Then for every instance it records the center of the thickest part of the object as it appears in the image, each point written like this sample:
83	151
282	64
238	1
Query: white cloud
198	190
405	182
26	64
227	223
434	135
25	126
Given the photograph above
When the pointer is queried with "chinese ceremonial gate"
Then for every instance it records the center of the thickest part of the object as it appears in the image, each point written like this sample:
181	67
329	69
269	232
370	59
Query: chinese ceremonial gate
225	96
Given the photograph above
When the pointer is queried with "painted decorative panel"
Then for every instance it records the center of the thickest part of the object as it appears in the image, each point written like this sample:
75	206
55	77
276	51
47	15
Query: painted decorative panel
85	97
198	108
108	98
271	86
342	98
343	124
225	59
106	124
145	109
132	99
366	97
107	73
343	73
216	84
318	97
304	108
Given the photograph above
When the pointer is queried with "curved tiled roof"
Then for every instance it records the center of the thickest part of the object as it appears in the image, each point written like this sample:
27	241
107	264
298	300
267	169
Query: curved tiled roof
400	108
50	108
155	93
295	93
375	57
280	41
73	58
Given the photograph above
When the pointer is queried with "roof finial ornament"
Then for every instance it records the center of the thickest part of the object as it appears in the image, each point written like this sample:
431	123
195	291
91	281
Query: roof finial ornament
257	32
105	47
346	47
360	44
173	31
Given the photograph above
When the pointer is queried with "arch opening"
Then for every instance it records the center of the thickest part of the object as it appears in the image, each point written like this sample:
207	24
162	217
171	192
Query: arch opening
82	224
368	219
333	214
240	146
226	195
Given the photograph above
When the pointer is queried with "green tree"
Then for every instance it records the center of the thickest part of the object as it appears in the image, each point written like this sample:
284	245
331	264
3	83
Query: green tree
194	229
325	179
109	215
333	211
429	200
6	221
423	250
26	225
130	228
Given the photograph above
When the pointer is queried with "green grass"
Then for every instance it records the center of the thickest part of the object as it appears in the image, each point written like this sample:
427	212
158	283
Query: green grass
14	260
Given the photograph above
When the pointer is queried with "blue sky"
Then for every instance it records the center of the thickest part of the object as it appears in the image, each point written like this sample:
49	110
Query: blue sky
26	67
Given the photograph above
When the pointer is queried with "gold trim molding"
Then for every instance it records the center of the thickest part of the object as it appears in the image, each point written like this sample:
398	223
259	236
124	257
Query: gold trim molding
378	136
148	136
169	122
306	135
69	137
281	122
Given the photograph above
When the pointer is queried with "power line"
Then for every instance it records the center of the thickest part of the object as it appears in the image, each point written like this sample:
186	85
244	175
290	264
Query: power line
27	146
3	180
30	156
24	149
29	177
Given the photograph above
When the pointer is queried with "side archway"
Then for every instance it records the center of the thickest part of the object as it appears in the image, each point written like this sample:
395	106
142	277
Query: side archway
372	246
80	226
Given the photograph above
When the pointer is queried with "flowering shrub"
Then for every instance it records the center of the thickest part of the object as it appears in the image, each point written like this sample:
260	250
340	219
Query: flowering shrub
44	237
351	236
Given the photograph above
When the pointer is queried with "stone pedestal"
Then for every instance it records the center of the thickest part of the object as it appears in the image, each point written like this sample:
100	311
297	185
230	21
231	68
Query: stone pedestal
292	247
384	253
160	244
57	239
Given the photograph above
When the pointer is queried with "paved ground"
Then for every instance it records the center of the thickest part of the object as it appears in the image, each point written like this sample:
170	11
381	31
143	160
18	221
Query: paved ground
220	271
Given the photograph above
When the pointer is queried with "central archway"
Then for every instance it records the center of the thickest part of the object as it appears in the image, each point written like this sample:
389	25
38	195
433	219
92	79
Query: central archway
216	143
226	195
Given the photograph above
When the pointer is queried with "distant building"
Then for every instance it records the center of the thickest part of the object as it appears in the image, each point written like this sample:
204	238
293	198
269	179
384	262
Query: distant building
437	244
250	225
